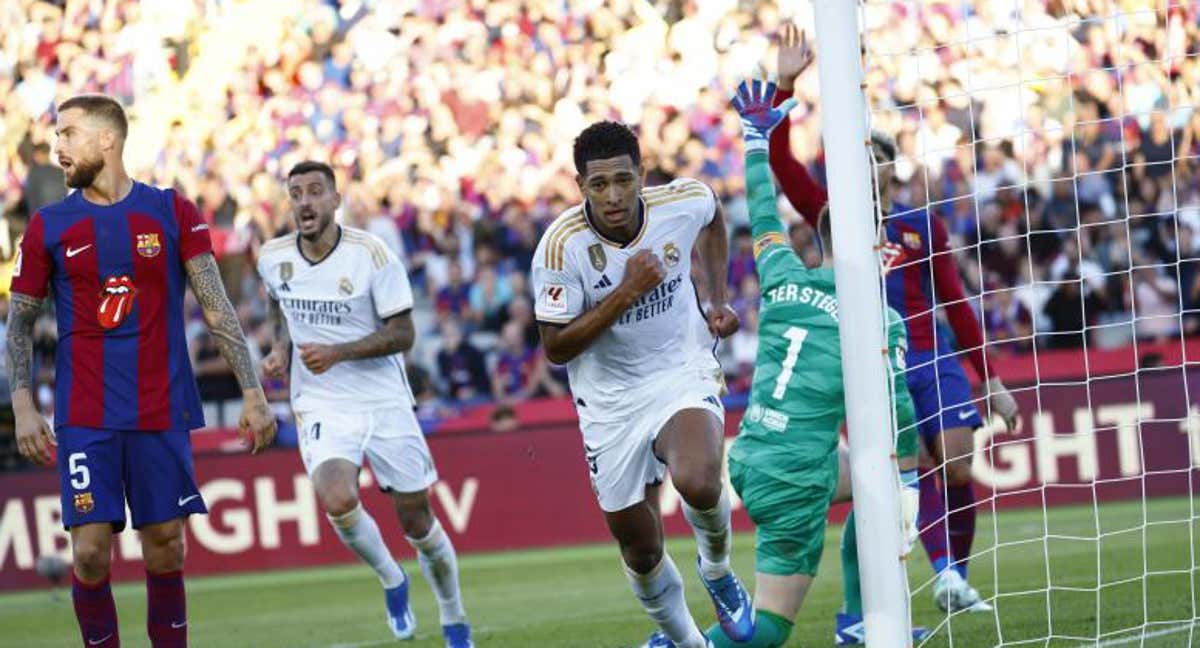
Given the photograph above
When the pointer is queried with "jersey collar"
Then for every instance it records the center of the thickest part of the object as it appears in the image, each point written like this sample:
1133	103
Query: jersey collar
642	215
311	262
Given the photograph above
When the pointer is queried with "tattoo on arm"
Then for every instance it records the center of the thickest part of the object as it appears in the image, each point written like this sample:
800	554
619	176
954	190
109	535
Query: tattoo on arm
222	318
23	312
395	336
281	335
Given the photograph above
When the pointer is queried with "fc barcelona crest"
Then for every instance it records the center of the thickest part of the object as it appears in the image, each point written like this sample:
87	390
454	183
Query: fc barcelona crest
597	257
148	245
84	503
912	240
670	255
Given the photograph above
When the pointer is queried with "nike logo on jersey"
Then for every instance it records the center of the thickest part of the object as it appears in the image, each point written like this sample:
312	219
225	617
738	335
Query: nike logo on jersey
604	282
965	414
73	252
97	642
185	500
201	226
178	624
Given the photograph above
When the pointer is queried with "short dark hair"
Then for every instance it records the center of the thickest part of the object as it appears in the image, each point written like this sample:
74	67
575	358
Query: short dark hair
308	166
603	140
102	106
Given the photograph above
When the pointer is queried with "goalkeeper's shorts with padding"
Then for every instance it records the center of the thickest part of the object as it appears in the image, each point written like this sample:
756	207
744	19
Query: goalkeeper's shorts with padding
789	518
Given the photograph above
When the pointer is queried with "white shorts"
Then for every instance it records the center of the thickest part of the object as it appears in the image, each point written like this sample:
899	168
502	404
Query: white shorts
390	438
620	451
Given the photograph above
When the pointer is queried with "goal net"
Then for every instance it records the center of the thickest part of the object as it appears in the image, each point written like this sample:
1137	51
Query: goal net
1058	142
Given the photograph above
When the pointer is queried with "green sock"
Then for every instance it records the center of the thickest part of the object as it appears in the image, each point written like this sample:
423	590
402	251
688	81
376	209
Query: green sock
851	589
770	631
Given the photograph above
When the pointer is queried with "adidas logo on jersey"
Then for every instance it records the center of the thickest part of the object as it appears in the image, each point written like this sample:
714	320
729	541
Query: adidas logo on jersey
604	282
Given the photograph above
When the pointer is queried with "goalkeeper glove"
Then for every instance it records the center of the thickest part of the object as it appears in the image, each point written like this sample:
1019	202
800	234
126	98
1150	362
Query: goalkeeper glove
910	504
1003	404
752	101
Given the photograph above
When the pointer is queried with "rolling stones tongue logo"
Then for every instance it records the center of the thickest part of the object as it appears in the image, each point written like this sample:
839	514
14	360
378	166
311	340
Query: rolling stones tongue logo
116	301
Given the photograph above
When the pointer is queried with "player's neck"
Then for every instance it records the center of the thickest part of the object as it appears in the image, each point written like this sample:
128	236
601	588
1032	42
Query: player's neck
318	247
623	233
110	187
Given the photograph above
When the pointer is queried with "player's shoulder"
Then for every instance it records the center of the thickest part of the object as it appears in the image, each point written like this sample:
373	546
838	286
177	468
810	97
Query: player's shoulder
679	193
277	248
367	244
558	236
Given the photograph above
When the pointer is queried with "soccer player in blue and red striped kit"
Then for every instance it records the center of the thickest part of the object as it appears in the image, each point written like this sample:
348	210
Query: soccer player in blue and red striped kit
923	276
117	255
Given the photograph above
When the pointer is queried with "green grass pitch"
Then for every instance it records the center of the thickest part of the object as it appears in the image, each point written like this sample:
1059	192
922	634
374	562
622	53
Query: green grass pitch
577	596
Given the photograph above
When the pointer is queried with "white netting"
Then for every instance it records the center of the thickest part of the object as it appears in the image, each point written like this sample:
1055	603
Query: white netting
1059	143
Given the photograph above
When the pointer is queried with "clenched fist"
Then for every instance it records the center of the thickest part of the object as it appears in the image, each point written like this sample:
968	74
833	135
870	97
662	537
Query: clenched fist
643	272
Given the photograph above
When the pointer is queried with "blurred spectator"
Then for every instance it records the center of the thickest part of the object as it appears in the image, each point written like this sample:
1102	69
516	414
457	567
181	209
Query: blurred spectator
461	366
45	183
521	369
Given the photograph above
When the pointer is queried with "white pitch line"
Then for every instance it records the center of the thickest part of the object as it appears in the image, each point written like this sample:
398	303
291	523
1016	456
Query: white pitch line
1124	641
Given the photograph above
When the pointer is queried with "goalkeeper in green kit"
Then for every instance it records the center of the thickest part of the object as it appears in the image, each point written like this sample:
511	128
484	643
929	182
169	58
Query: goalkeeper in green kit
784	463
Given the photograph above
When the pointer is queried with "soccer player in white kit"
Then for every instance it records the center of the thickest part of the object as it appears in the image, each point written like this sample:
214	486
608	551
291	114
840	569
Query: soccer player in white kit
615	302
341	307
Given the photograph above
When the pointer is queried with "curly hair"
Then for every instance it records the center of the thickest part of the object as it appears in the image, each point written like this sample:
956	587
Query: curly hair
603	140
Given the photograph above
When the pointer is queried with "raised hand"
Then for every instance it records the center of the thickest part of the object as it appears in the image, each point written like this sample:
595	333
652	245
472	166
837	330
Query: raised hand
752	101
795	55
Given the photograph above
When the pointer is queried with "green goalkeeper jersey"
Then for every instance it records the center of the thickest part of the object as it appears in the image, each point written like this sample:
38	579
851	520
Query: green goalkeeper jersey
797	401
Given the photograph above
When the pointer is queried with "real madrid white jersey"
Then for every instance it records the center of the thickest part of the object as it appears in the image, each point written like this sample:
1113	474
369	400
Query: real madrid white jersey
341	298
664	334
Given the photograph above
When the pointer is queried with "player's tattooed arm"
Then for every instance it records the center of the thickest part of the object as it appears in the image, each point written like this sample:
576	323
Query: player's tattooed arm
281	336
23	312
221	318
395	336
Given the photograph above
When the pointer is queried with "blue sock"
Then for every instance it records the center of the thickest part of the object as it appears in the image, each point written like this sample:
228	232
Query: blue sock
941	563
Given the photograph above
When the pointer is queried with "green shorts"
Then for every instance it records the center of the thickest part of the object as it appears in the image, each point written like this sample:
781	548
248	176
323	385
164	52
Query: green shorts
789	518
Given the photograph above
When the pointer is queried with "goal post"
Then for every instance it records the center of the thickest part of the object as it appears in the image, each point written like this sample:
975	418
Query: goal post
861	325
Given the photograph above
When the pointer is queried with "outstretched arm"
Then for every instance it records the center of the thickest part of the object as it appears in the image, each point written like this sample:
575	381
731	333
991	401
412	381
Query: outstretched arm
754	104
805	195
257	419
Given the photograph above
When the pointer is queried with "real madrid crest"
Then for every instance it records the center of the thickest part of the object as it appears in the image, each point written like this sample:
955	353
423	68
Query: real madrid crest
670	255
345	287
597	257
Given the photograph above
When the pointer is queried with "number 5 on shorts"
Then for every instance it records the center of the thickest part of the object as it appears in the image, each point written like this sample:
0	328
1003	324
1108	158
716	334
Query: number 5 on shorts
81	477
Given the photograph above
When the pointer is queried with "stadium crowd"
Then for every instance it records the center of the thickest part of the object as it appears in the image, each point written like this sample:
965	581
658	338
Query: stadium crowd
1059	140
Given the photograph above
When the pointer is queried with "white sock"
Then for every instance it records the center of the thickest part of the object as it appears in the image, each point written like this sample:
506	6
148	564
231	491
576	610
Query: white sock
714	536
439	564
358	530
661	594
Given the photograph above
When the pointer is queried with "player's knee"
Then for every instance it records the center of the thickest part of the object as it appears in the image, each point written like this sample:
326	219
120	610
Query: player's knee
338	501
958	472
642	558
164	550
699	489
92	558
416	522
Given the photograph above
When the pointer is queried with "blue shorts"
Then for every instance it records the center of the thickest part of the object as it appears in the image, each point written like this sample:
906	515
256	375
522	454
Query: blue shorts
941	393
100	469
